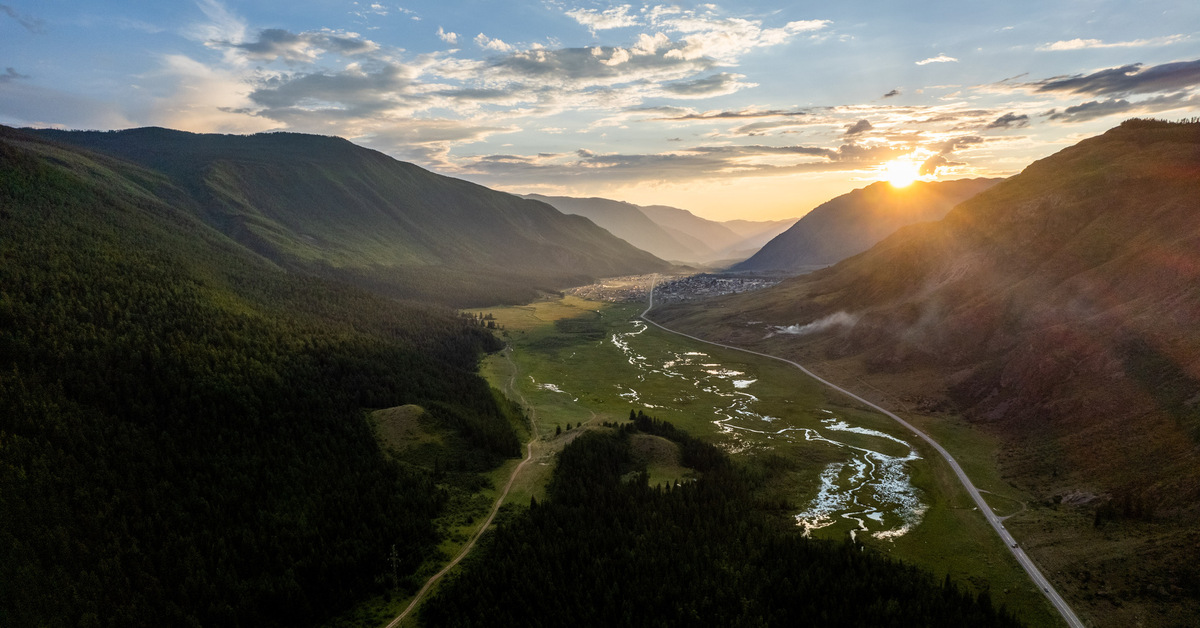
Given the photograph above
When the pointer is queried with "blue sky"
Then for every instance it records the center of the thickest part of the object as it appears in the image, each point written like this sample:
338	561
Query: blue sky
733	109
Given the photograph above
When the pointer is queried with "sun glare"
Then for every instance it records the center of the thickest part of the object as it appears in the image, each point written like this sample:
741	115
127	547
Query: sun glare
901	172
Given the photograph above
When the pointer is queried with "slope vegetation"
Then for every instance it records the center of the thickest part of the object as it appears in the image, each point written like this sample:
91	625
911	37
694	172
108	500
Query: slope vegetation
853	222
181	431
324	206
1058	309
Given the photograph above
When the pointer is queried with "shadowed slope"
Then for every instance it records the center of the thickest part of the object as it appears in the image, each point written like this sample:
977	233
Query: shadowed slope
325	206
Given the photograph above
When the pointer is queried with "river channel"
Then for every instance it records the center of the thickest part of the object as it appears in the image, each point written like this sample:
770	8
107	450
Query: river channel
867	491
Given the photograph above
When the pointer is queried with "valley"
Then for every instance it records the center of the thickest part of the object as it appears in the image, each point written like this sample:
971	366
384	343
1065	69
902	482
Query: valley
836	468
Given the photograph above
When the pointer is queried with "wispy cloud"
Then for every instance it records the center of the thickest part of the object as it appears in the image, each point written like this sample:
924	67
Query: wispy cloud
941	58
11	75
1129	79
596	20
1084	44
1008	121
31	24
1094	109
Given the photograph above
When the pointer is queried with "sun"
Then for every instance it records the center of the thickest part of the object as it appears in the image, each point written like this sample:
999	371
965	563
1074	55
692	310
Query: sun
901	172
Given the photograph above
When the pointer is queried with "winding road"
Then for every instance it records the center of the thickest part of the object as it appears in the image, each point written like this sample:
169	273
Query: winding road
996	522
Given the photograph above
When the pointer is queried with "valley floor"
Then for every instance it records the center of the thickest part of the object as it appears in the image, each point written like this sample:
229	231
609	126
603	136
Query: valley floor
585	361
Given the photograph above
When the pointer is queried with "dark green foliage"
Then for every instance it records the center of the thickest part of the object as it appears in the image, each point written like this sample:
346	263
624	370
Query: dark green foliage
181	430
607	550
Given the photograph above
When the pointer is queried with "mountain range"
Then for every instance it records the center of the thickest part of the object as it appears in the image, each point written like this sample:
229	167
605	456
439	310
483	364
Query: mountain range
321	205
672	233
1058	309
853	222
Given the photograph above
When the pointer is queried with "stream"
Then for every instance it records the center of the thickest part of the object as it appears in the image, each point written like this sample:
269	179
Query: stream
870	490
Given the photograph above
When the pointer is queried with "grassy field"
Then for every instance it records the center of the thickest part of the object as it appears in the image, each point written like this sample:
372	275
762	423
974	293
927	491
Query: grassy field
565	368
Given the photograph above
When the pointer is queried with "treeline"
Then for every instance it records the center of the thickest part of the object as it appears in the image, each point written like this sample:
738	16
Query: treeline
182	439
605	549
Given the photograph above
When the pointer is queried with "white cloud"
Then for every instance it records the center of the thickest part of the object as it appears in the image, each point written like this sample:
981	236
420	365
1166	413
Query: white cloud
1084	44
616	17
647	45
448	37
222	25
941	58
487	43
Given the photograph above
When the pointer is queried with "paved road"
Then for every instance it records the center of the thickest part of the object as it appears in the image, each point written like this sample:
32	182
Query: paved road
1068	615
491	516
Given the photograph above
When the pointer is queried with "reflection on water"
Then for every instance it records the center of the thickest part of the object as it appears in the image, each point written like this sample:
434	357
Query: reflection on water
871	489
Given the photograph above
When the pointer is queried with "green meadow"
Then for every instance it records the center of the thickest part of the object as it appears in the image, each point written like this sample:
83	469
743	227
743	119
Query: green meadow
565	368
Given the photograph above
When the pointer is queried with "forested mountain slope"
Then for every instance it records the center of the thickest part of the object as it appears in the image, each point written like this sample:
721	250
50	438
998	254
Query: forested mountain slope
181	431
1060	309
853	222
321	205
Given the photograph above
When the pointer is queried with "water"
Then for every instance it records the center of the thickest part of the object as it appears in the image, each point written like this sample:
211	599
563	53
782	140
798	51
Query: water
870	489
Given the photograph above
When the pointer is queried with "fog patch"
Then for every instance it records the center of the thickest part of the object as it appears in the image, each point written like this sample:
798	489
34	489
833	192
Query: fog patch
837	319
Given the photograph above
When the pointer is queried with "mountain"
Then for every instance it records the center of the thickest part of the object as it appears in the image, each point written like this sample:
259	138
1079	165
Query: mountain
182	436
321	205
853	222
711	237
626	221
670	232
1057	310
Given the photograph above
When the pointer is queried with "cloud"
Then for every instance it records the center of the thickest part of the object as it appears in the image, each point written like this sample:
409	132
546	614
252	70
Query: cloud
1084	44
353	92
931	165
11	75
1119	106
747	113
1128	79
31	24
891	94
487	43
858	128
595	20
727	39
222	26
715	85
941	58
448	37
1009	120
277	44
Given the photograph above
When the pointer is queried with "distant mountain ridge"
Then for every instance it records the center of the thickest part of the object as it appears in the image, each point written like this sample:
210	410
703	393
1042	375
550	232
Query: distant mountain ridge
853	222
325	206
669	232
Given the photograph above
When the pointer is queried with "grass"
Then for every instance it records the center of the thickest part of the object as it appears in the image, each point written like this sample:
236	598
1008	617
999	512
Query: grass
566	375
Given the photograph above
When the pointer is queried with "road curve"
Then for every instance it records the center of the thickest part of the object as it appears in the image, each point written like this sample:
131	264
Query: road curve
483	528
1042	583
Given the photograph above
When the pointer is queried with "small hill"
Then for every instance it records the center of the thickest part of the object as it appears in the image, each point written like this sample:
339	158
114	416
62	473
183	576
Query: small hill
853	222
321	205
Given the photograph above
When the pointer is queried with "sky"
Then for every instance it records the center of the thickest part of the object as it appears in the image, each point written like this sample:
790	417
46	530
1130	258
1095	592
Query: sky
734	110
